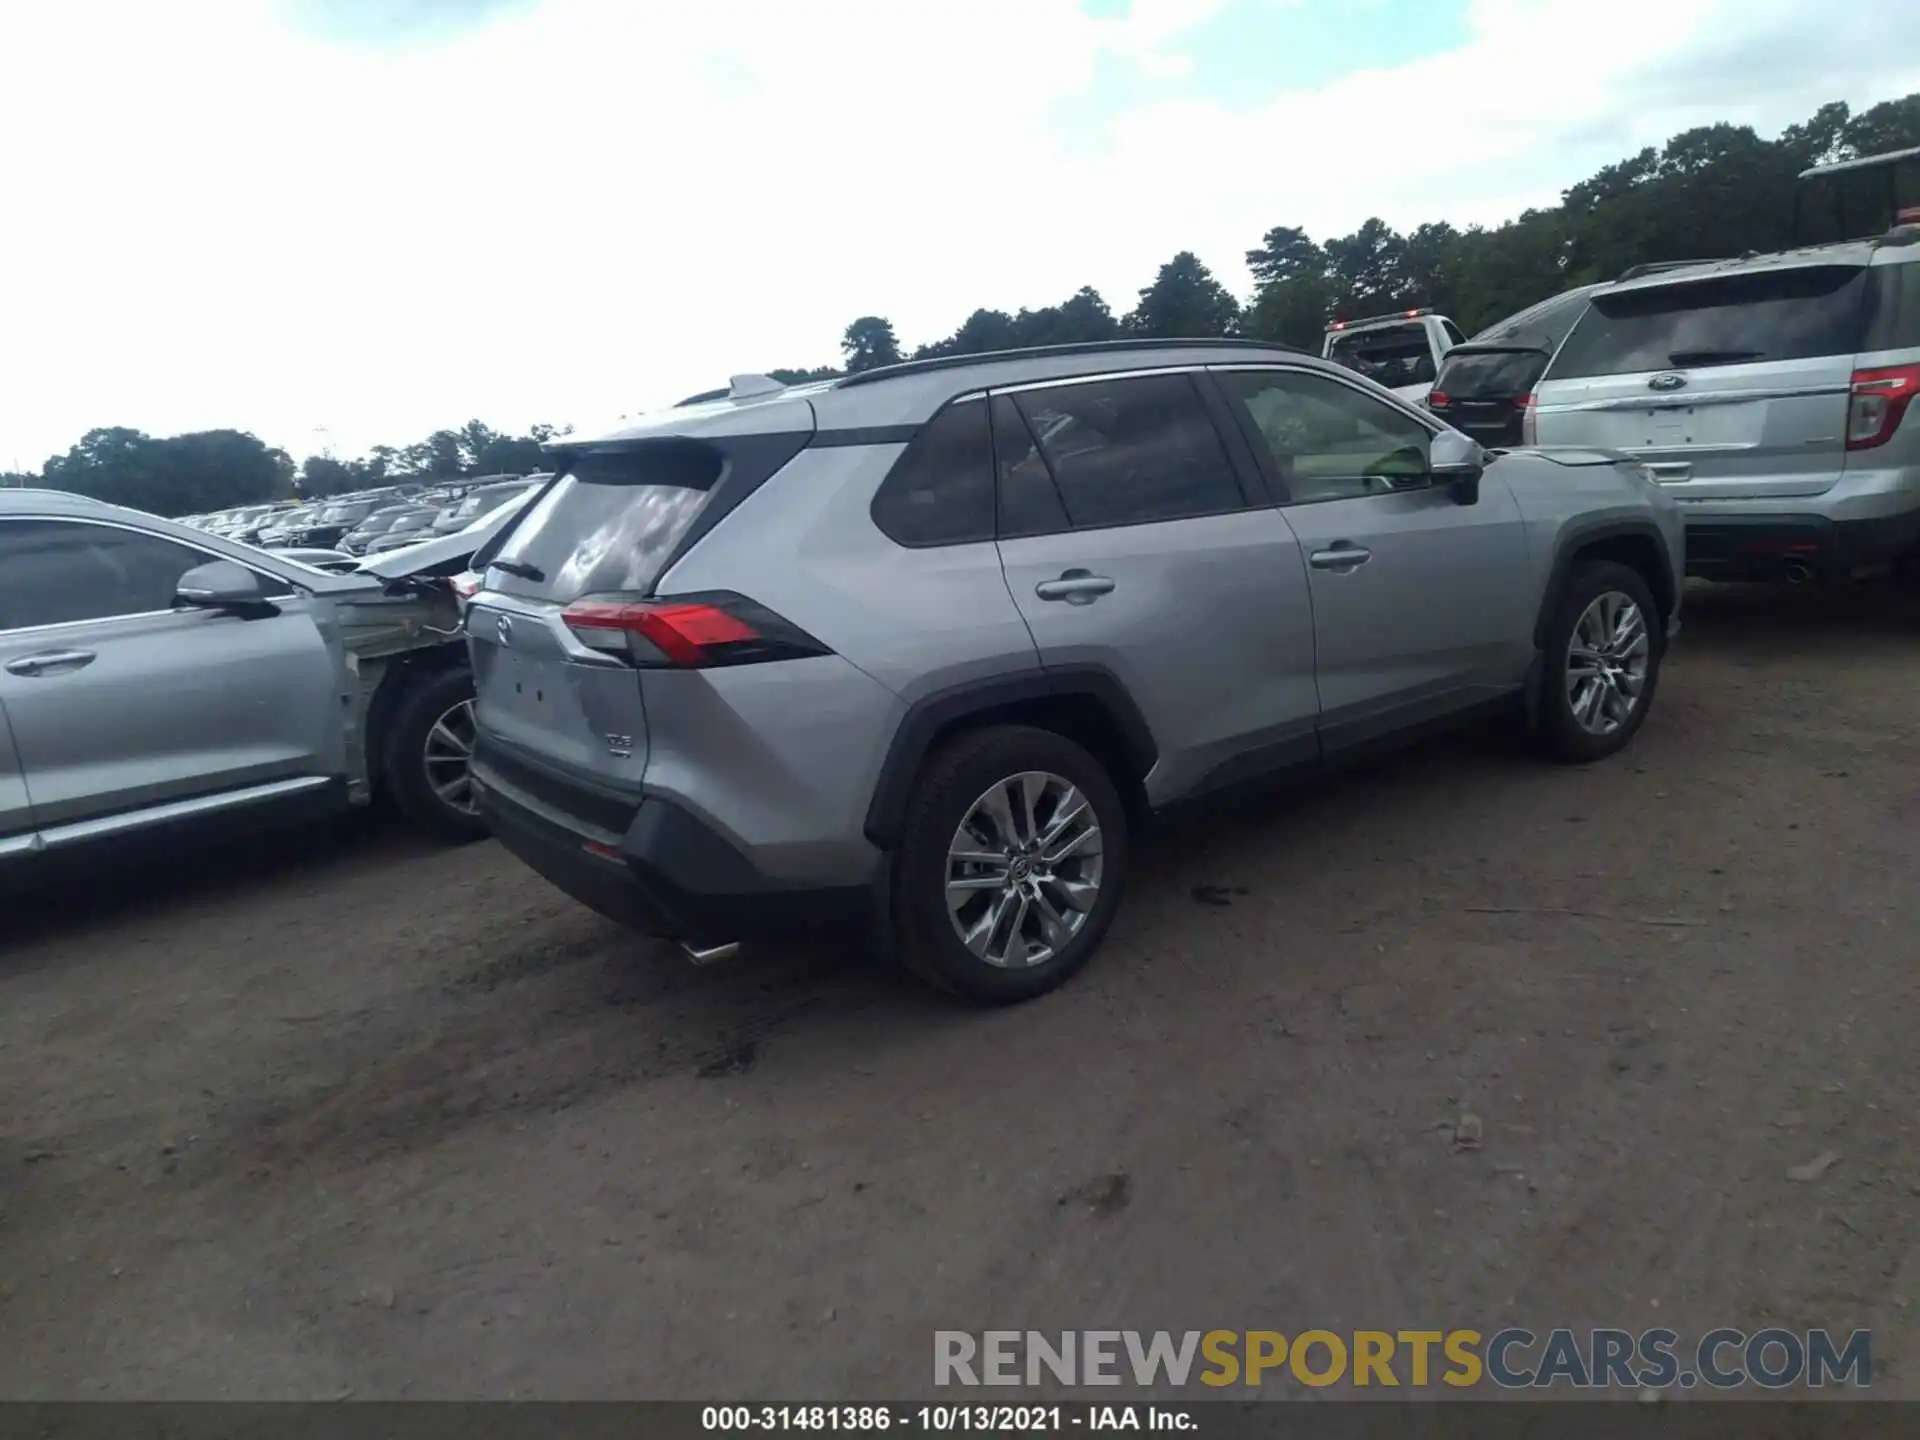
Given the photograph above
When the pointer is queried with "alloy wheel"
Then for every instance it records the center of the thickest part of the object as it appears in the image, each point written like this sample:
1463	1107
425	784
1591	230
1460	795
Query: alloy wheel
1023	870
449	759
1607	660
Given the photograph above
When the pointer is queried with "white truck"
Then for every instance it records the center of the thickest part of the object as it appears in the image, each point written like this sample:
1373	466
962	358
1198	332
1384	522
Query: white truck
1400	351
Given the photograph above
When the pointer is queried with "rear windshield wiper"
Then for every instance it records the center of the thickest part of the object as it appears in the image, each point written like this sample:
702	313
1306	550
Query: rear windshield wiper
520	568
1713	357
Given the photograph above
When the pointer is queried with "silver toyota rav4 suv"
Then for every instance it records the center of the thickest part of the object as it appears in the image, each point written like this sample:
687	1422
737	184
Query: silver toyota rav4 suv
926	646
1771	395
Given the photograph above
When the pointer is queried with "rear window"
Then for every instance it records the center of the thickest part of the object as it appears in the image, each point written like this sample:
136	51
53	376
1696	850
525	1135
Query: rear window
1490	374
615	518
1731	320
1390	355
609	523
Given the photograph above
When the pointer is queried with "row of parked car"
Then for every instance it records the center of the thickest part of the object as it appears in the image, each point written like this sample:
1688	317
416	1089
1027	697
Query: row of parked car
333	533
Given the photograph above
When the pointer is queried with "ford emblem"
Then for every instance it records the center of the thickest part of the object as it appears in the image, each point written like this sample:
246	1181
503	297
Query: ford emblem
505	627
1669	381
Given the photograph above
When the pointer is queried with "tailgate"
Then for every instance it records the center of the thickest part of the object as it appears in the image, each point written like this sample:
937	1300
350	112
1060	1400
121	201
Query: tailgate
1729	386
1730	431
542	692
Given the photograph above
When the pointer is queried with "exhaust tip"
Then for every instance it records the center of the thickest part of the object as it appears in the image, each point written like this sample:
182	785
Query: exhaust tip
1799	572
710	954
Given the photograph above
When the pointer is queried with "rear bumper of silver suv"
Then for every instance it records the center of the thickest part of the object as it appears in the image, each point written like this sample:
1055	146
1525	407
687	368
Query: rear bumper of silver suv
645	861
1721	546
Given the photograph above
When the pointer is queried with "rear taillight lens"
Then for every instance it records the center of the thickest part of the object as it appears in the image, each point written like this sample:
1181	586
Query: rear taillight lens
1879	402
465	586
688	631
1529	419
1437	400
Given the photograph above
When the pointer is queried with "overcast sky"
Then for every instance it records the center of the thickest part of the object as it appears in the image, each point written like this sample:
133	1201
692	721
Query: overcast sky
346	222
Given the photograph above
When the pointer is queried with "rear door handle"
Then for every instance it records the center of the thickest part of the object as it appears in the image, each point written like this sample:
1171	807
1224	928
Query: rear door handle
1670	472
50	660
1076	587
1340	556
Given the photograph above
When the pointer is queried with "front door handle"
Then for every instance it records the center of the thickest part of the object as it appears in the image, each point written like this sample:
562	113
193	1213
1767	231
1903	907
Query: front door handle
1076	587
50	660
1670	472
1341	555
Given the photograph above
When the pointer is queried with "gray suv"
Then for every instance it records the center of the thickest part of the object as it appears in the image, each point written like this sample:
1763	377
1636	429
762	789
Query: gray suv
1770	394
925	647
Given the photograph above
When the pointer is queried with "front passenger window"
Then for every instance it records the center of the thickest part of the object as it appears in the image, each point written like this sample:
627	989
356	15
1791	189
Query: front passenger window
55	572
1329	441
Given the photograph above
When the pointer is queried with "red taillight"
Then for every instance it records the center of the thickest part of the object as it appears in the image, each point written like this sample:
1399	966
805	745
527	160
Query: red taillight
1880	400
465	586
691	631
1437	400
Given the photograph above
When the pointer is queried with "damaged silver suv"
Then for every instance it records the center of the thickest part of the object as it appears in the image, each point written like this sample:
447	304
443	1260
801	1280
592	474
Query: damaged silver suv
156	678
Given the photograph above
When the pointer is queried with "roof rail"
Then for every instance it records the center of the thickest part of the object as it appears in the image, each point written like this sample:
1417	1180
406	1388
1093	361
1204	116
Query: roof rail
1043	352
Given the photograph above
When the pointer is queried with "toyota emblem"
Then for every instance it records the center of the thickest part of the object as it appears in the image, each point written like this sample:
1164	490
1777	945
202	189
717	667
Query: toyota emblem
505	627
1669	381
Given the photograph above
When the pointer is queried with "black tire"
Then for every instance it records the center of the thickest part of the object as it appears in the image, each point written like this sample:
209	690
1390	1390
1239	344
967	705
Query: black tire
923	935
1558	732
429	697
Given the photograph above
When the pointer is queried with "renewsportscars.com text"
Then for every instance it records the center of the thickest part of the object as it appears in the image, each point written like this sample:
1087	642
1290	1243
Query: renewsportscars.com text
1511	1359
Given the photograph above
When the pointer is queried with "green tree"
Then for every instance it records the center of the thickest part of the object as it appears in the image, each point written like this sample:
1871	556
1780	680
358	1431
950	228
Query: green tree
180	475
870	343
802	377
322	475
1286	253
1184	300
1293	312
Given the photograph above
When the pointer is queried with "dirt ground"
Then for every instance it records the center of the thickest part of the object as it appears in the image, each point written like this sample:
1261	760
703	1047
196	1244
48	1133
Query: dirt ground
360	1117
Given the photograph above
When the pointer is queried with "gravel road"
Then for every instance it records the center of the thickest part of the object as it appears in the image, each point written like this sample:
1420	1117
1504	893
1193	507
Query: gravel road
356	1116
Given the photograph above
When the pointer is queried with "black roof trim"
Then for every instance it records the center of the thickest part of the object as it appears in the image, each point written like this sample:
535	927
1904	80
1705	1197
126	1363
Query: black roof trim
706	396
1047	352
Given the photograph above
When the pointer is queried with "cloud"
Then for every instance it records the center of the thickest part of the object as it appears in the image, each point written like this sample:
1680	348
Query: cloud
580	208
392	21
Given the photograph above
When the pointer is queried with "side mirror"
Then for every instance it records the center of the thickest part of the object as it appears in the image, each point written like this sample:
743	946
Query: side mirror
1457	462
222	585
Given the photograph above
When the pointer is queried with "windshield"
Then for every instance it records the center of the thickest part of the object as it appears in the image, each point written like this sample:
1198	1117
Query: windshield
1792	314
1389	355
412	520
346	514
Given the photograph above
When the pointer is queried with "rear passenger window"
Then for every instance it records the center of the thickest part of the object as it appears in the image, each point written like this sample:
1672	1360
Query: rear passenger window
940	491
1118	452
1792	314
1896	308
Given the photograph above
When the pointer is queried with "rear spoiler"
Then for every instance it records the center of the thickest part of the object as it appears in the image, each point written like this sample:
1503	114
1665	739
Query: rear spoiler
1658	267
